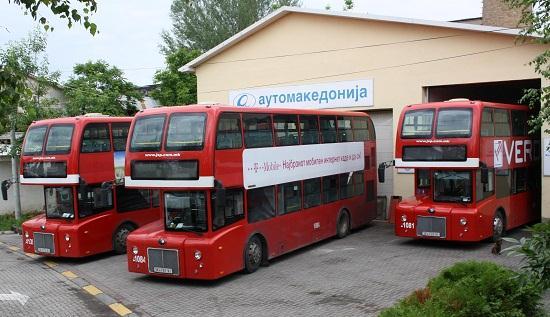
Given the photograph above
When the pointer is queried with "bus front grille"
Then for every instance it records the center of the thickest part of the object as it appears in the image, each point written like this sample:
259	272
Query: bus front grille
432	227
44	243
163	261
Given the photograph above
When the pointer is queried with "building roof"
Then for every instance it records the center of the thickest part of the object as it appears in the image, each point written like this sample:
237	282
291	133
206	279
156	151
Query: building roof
278	14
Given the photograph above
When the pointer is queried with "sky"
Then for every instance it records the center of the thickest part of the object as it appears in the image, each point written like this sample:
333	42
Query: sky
129	30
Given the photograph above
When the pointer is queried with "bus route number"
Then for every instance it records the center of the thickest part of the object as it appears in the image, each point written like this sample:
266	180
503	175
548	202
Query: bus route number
138	259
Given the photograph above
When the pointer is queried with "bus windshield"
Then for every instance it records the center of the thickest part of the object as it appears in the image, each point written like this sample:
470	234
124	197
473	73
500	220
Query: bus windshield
59	139
453	186
185	211
185	132
147	134
417	124
59	202
454	123
34	141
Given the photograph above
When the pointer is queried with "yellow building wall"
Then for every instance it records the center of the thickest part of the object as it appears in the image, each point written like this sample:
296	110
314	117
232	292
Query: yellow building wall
400	58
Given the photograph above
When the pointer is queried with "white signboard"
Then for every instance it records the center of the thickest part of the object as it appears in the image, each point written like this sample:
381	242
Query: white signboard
546	150
341	94
276	165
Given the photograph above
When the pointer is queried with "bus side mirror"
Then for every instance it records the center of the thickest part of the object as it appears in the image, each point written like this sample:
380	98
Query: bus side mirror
106	186
381	173
484	175
5	185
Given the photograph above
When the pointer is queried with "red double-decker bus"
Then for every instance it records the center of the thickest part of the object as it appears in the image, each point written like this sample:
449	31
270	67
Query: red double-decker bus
80	163
239	186
476	170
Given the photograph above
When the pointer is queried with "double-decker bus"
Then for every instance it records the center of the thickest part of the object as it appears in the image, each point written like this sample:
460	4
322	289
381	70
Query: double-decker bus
80	163
239	186
476	170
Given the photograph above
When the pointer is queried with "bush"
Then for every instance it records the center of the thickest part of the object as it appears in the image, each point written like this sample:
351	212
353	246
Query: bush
471	289
7	221
536	253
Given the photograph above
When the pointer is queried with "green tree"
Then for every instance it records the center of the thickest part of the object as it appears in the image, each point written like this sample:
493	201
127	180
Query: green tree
536	19
63	9
175	87
348	5
99	87
203	24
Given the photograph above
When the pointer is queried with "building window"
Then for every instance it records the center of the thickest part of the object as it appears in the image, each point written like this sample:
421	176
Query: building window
232	211
328	129
229	135
257	130
289	197
330	188
309	129
95	138
312	192
120	135
261	203
286	129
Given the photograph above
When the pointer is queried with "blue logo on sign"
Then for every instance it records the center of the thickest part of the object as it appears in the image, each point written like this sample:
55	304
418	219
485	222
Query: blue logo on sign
244	100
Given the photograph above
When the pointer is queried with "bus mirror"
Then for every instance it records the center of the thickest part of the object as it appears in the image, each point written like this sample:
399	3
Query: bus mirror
484	175
5	185
107	186
381	174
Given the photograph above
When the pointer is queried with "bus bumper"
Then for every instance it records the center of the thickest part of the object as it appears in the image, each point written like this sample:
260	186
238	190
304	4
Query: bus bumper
49	239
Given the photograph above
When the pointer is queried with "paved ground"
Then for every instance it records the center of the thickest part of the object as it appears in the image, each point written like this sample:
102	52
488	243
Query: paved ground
359	275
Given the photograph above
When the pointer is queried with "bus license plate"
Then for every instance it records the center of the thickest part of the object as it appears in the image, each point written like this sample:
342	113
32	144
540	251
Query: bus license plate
162	270
44	250
431	234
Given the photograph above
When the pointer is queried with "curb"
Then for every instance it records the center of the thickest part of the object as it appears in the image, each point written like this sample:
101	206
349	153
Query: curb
7	232
77	281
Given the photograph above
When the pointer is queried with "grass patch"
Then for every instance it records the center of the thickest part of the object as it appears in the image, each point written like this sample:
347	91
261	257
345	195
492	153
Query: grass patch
8	221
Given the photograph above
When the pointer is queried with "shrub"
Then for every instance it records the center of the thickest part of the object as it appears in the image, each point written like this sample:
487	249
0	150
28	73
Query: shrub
471	289
536	253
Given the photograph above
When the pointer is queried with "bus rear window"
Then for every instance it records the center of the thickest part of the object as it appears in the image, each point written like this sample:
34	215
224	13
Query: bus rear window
147	134
454	123
59	139
34	141
185	132
417	124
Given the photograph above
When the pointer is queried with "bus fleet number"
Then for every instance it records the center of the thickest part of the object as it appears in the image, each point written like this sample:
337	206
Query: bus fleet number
138	259
29	241
407	225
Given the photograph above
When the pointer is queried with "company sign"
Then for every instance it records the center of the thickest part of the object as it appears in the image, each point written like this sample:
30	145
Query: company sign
518	151
276	165
339	94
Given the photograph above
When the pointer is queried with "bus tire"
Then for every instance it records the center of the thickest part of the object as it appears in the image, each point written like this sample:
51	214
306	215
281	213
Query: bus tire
499	225
120	236
253	254
343	225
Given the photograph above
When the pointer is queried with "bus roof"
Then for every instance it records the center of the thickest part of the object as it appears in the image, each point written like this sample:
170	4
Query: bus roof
82	120
465	103
221	108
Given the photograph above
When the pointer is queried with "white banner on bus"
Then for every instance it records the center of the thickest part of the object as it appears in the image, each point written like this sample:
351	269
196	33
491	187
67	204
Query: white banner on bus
276	165
340	94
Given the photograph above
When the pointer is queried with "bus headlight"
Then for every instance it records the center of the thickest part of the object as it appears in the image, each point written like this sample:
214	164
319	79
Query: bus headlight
404	218
463	221
26	234
67	237
135	250
198	255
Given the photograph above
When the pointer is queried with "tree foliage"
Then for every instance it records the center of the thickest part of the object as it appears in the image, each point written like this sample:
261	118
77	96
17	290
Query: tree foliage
64	9
99	87
348	5
536	19
175	87
203	24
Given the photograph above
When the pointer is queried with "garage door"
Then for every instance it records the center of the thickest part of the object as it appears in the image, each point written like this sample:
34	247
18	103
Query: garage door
383	124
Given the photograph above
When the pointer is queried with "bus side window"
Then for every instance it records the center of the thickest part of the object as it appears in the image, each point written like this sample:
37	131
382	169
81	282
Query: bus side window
258	130
132	199
328	129
503	183
286	129
309	129
370	190
95	138
330	188
484	190
312	192
260	203
487	127
519	180
289	197
358	183
501	118
372	131
360	129
345	133
422	178
155	200
229	135
233	210
120	135
346	185
95	201
519	120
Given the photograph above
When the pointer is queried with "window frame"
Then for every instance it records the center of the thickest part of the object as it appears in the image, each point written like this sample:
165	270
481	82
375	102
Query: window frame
236	217
450	136
96	124
167	124
240	129
246	131
160	146
302	130
432	128
116	125
282	199
286	131
45	147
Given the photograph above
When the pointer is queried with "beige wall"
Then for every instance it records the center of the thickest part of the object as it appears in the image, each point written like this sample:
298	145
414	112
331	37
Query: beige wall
399	70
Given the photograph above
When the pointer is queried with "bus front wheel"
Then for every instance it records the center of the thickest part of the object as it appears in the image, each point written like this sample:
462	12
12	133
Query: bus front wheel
343	227
253	255
119	239
499	225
